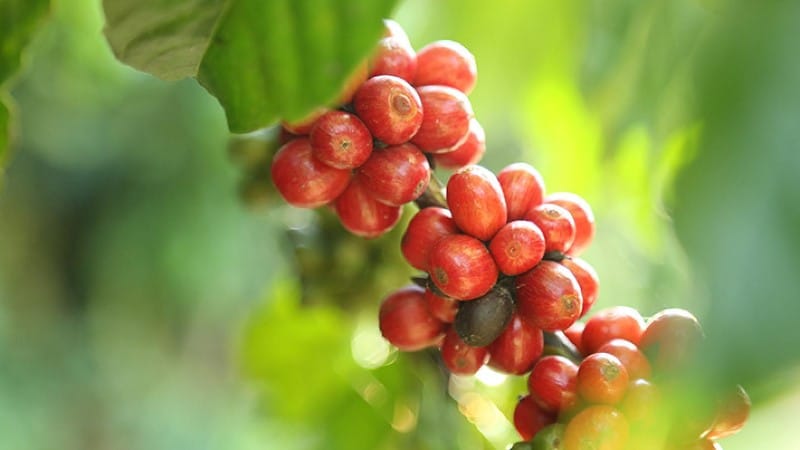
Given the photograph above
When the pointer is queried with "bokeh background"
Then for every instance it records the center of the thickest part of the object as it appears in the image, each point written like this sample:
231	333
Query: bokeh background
145	305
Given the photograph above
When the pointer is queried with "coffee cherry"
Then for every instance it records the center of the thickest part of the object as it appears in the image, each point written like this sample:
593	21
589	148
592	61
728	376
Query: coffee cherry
441	307
587	279
393	29
303	126
467	152
615	322
405	321
523	188
462	267
575	334
550	437
446	63
479	322
341	140
529	418
642	402
362	215
426	227
548	296
304	181
396	175
446	119
583	216
602	378
599	427
517	348
731	415
631	357
553	383
476	201
557	225
517	247
390	108
460	358
669	339
394	56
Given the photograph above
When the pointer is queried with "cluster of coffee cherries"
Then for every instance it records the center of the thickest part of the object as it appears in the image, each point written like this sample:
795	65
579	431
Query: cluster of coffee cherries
501	268
611	392
400	111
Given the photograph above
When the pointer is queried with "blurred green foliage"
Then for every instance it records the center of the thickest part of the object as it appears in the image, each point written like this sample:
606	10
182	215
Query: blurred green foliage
143	307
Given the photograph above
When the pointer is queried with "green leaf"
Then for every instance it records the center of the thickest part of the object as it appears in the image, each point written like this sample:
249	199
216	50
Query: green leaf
263	60
5	132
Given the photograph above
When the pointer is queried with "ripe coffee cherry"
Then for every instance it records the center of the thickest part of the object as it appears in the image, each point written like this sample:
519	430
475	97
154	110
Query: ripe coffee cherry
446	119
587	280
479	322
462	267
581	213
574	334
615	322
523	188
557	225
396	175
602	378
476	201
390	108
465	153
517	348
394	56
393	29
669	338
553	383
362	215
517	247
631	357
341	140
731	415
599	427
304	181
443	308
642	402
529	418
303	126
446	63
426	227
548	297
460	358
405	321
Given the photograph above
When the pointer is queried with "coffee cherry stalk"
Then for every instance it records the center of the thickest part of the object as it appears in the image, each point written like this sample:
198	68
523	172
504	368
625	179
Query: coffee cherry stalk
502	283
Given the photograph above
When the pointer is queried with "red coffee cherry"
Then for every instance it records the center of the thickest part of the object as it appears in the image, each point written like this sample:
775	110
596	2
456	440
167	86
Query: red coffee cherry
602	378
587	279
426	227
615	322
394	56
446	119
517	348
341	140
443	308
517	247
405	321
462	267
446	63
303	126
393	29
631	357
390	108
669	339
732	414
583	216
476	201
529	418
460	358
553	383
396	175
304	181
598	427
548	297
467	152
523	188
362	215
575	334
557	225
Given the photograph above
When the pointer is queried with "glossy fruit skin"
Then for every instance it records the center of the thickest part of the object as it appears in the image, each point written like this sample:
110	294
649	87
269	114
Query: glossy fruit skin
424	229
462	267
362	215
460	358
396	175
341	140
517	348
443	308
469	151
583	216
446	63
479	322
548	296
553	383
405	321
575	335
631	357
557	225
731	415
615	322
587	279
304	181
602	378
529	418
517	247
446	120
394	56
476	201
523	188
390	108
669	339
598	427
